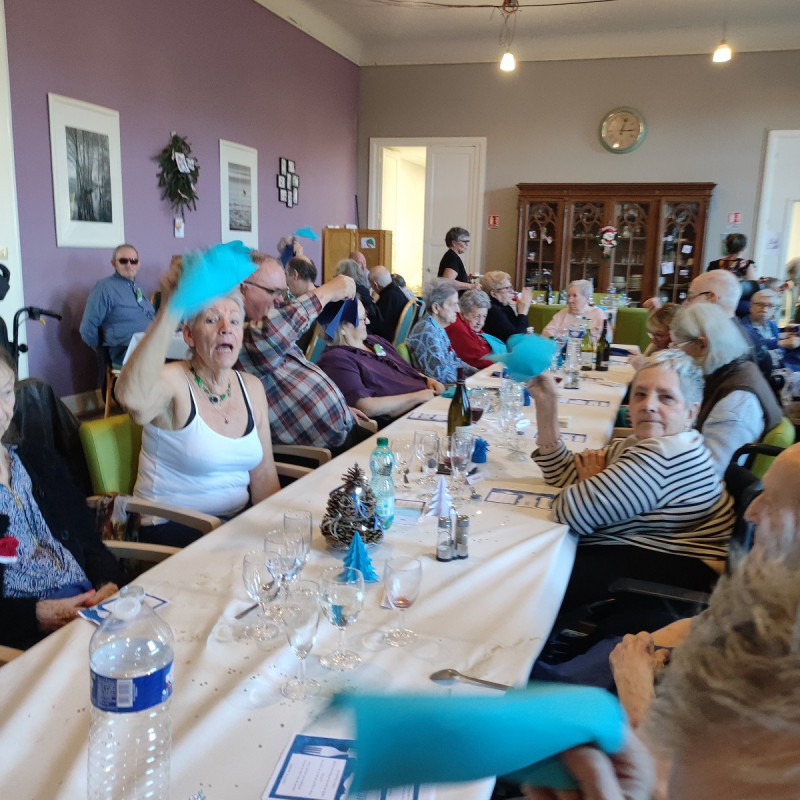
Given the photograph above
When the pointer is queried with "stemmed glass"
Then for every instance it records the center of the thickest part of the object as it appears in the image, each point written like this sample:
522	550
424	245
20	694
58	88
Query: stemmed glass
300	615
402	455
510	413
341	597
459	453
262	585
479	401
286	555
401	581
297	524
426	448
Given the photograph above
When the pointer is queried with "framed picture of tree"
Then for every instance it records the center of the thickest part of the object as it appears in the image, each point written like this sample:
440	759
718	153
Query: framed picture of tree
87	173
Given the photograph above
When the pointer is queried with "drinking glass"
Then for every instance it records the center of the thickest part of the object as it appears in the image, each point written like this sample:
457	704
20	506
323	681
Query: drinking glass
403	454
479	401
401	581
286	555
300	615
341	597
426	448
296	524
459	454
262	585
510	414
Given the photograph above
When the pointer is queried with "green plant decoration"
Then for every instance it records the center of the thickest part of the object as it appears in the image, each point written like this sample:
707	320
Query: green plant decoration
178	174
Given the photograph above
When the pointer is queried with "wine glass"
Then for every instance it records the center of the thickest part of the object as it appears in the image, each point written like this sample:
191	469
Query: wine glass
479	401
459	453
296	524
401	581
426	448
341	597
262	585
510	413
402	450
300	615
286	555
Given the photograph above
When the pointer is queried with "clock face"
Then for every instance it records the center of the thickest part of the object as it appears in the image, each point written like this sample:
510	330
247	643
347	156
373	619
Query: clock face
622	130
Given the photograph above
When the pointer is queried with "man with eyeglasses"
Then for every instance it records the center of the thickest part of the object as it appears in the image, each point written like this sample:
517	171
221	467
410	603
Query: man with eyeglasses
305	405
116	308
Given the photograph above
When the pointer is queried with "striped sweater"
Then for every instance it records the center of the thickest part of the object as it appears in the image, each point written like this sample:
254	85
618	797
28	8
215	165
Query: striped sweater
661	494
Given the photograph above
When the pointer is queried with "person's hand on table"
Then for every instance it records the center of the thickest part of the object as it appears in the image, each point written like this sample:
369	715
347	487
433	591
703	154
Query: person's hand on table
589	463
102	594
54	614
434	385
358	415
635	663
627	775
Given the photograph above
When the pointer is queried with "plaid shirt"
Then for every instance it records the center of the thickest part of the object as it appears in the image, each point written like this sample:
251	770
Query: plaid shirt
305	405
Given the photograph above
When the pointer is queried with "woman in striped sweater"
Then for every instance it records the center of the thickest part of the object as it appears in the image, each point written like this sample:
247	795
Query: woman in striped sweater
650	506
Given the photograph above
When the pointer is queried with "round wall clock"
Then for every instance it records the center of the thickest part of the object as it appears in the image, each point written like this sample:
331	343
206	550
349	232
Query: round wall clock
622	130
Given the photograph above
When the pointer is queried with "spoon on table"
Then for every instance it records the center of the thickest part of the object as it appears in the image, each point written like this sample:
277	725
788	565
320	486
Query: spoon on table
448	676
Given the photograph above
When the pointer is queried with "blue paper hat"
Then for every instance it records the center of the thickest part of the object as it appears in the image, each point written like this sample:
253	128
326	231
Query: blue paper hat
334	314
528	355
307	233
210	274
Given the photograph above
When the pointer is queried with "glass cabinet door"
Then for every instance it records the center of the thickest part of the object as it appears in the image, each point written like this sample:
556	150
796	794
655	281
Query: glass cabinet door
628	257
542	245
680	226
585	254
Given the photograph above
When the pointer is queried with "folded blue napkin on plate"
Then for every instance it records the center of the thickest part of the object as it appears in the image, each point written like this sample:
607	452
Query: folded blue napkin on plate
210	274
409	739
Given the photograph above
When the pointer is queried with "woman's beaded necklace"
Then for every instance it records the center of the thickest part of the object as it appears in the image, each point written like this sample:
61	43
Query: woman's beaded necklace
216	400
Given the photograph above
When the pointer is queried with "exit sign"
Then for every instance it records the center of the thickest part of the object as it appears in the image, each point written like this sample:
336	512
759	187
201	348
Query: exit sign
494	221
735	218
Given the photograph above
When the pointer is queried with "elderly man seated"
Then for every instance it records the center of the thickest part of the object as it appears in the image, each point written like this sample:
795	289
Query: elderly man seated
301	274
371	374
390	302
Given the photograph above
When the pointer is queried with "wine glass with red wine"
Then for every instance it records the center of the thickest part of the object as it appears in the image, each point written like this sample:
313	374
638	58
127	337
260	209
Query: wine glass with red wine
401	581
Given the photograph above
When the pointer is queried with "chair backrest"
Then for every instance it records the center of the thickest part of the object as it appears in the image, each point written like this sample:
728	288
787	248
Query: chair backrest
405	322
539	315
316	345
402	348
631	327
743	486
111	447
782	436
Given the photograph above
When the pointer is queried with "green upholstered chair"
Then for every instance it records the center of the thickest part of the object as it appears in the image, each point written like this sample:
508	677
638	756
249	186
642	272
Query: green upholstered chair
402	348
631	327
540	315
316	345
404	323
782	435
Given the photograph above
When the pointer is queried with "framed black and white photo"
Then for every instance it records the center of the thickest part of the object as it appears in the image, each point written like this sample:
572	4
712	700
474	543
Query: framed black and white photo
290	166
281	181
87	173
294	196
283	166
282	195
296	181
238	181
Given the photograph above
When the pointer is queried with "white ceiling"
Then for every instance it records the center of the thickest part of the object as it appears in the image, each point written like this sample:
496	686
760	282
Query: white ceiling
374	32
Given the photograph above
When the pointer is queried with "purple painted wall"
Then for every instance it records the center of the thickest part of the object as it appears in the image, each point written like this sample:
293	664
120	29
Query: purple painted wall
207	69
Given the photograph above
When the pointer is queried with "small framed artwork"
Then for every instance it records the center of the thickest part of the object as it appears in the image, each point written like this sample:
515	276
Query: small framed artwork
283	195
238	181
281	181
295	181
294	196
283	166
289	202
87	173
290	165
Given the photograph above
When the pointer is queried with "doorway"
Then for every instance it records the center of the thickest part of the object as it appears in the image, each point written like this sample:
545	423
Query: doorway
419	189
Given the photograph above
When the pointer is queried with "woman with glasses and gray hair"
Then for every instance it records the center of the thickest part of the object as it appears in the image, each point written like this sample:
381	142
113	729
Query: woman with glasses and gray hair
428	344
579	294
465	332
508	313
739	406
451	266
206	442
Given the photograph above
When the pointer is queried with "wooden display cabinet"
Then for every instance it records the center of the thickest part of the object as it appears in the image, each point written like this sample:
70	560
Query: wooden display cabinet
661	230
338	243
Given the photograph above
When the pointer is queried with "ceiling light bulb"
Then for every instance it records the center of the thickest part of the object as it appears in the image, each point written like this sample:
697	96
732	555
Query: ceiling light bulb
722	53
507	63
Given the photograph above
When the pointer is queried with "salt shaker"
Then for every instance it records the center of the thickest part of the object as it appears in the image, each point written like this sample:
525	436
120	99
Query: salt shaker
445	545
462	536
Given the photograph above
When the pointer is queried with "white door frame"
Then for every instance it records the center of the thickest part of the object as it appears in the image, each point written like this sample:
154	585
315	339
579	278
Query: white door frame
473	225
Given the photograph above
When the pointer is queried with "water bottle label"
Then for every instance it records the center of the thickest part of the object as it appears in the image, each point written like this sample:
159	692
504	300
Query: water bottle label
384	507
576	333
129	695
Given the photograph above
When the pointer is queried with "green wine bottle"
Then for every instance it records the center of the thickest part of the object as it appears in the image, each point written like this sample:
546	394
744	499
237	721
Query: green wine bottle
587	347
603	350
459	413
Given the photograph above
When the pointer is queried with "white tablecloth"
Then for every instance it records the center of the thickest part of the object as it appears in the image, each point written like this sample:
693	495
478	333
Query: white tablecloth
485	616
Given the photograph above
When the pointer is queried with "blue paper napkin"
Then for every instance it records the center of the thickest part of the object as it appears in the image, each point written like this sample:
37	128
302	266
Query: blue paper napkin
409	739
334	314
210	274
528	355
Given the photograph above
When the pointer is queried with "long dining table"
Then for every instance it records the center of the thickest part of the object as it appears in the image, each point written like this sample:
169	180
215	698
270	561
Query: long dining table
486	615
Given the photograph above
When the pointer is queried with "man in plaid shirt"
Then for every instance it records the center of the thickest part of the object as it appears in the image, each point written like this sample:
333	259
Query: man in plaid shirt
305	405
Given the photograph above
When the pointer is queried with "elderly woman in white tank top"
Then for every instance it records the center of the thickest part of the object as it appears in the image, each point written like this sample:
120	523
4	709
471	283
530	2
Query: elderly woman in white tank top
206	442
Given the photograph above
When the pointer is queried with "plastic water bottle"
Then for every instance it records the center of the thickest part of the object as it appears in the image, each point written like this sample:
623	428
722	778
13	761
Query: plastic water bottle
381	464
130	658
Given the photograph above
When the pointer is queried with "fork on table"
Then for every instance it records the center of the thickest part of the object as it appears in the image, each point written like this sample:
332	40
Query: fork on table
326	751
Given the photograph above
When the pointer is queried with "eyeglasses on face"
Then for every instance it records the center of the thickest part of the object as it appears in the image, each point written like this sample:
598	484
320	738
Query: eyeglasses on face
270	292
126	261
681	345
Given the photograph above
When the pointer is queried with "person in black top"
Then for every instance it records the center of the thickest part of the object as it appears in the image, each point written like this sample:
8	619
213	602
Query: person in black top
507	315
451	266
391	302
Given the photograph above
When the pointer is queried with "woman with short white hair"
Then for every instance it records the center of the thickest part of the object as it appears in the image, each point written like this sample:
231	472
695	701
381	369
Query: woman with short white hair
579	294
508	313
738	405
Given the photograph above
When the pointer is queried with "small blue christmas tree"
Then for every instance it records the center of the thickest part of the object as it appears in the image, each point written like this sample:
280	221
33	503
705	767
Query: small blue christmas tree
479	454
358	558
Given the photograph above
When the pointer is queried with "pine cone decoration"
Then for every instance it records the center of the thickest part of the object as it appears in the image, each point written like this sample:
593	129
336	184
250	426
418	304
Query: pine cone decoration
351	508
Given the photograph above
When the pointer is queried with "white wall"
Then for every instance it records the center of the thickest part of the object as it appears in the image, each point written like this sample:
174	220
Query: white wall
706	122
